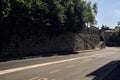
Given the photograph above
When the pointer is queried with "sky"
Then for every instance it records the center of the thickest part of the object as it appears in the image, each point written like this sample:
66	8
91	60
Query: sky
108	12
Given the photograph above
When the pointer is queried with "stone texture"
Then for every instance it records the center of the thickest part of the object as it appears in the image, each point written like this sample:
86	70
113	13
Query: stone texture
45	43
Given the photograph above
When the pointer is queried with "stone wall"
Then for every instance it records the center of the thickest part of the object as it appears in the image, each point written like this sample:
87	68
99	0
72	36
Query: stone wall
92	39
44	43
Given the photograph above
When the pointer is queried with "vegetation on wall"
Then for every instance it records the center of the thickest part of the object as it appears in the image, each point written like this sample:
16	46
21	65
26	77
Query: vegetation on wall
115	37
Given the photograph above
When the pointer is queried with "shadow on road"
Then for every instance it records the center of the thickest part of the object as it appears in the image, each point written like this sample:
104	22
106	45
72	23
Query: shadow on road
101	72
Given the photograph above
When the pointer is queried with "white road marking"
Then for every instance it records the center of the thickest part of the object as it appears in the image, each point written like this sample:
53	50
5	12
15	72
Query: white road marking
39	65
34	78
70	66
38	78
54	71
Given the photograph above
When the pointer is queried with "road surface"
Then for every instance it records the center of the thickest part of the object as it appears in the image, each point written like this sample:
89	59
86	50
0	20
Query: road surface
79	66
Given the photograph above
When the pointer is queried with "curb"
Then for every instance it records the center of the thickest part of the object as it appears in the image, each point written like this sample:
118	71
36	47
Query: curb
92	50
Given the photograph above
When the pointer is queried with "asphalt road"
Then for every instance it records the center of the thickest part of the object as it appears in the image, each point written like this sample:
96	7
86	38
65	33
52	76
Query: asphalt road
80	66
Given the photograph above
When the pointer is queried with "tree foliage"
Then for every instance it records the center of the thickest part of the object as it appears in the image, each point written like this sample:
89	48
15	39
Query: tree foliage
51	15
118	23
6	7
104	27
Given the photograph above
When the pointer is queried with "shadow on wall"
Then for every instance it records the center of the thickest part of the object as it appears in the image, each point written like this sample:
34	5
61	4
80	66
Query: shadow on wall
100	73
39	44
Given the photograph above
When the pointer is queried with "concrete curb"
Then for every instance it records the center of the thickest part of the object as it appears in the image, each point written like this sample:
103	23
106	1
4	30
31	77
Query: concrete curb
109	71
92	50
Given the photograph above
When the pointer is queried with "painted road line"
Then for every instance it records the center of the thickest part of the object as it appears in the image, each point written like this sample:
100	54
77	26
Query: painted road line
70	66
34	78
54	71
40	65
38	78
43	79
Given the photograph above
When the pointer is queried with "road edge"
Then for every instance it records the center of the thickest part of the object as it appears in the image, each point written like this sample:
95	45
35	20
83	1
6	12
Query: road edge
30	57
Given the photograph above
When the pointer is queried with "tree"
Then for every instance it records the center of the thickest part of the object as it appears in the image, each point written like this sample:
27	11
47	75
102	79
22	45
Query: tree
115	37
69	12
95	8
50	15
118	36
5	5
56	14
104	27
89	13
118	22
